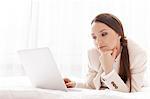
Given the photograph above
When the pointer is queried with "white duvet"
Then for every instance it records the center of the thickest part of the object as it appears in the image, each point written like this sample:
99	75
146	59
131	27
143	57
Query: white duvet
21	88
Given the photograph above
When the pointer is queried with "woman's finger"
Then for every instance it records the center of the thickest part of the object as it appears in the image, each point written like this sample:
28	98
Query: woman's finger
66	80
69	85
108	52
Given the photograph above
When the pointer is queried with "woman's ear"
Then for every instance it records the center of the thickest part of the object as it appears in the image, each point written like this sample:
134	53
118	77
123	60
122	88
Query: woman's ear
119	37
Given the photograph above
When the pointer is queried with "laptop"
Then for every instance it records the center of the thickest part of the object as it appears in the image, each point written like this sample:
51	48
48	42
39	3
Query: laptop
41	68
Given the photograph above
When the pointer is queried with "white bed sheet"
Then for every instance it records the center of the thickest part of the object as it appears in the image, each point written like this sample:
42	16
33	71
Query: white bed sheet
21	88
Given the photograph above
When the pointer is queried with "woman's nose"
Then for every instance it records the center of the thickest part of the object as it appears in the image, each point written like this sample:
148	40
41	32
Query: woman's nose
98	41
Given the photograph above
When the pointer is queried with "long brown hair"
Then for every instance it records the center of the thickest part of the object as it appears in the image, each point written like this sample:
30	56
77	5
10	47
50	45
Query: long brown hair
114	23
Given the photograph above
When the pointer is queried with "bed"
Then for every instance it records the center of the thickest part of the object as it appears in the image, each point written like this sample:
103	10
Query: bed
20	88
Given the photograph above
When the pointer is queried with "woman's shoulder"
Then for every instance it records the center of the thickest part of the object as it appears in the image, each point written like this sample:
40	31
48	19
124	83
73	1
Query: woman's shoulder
137	54
93	56
134	47
93	51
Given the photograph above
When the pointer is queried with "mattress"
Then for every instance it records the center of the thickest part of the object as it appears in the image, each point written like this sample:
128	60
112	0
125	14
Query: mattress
21	88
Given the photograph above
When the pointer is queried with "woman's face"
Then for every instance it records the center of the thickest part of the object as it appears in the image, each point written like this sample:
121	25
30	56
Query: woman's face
104	37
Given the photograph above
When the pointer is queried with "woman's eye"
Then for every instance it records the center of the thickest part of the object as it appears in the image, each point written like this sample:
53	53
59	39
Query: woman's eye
94	37
104	33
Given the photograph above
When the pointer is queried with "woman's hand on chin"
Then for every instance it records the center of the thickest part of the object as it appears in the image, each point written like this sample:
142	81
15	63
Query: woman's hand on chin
107	59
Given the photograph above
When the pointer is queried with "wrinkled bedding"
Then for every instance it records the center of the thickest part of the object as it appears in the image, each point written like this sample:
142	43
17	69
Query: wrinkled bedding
21	88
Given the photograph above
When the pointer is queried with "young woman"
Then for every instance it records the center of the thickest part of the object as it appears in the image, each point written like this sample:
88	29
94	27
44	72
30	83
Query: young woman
115	63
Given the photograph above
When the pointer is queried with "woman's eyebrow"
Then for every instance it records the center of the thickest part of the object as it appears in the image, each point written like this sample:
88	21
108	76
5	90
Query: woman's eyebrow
99	31
102	30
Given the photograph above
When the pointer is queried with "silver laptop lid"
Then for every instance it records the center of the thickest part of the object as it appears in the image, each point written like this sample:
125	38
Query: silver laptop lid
41	68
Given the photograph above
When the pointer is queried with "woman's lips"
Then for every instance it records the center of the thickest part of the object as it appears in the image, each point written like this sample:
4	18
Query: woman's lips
101	47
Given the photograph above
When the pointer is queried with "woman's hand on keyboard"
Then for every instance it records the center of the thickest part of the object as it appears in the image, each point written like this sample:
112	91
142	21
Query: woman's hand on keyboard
69	83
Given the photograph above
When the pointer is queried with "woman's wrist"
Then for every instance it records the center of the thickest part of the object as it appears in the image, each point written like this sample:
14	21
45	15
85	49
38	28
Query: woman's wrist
108	71
74	83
